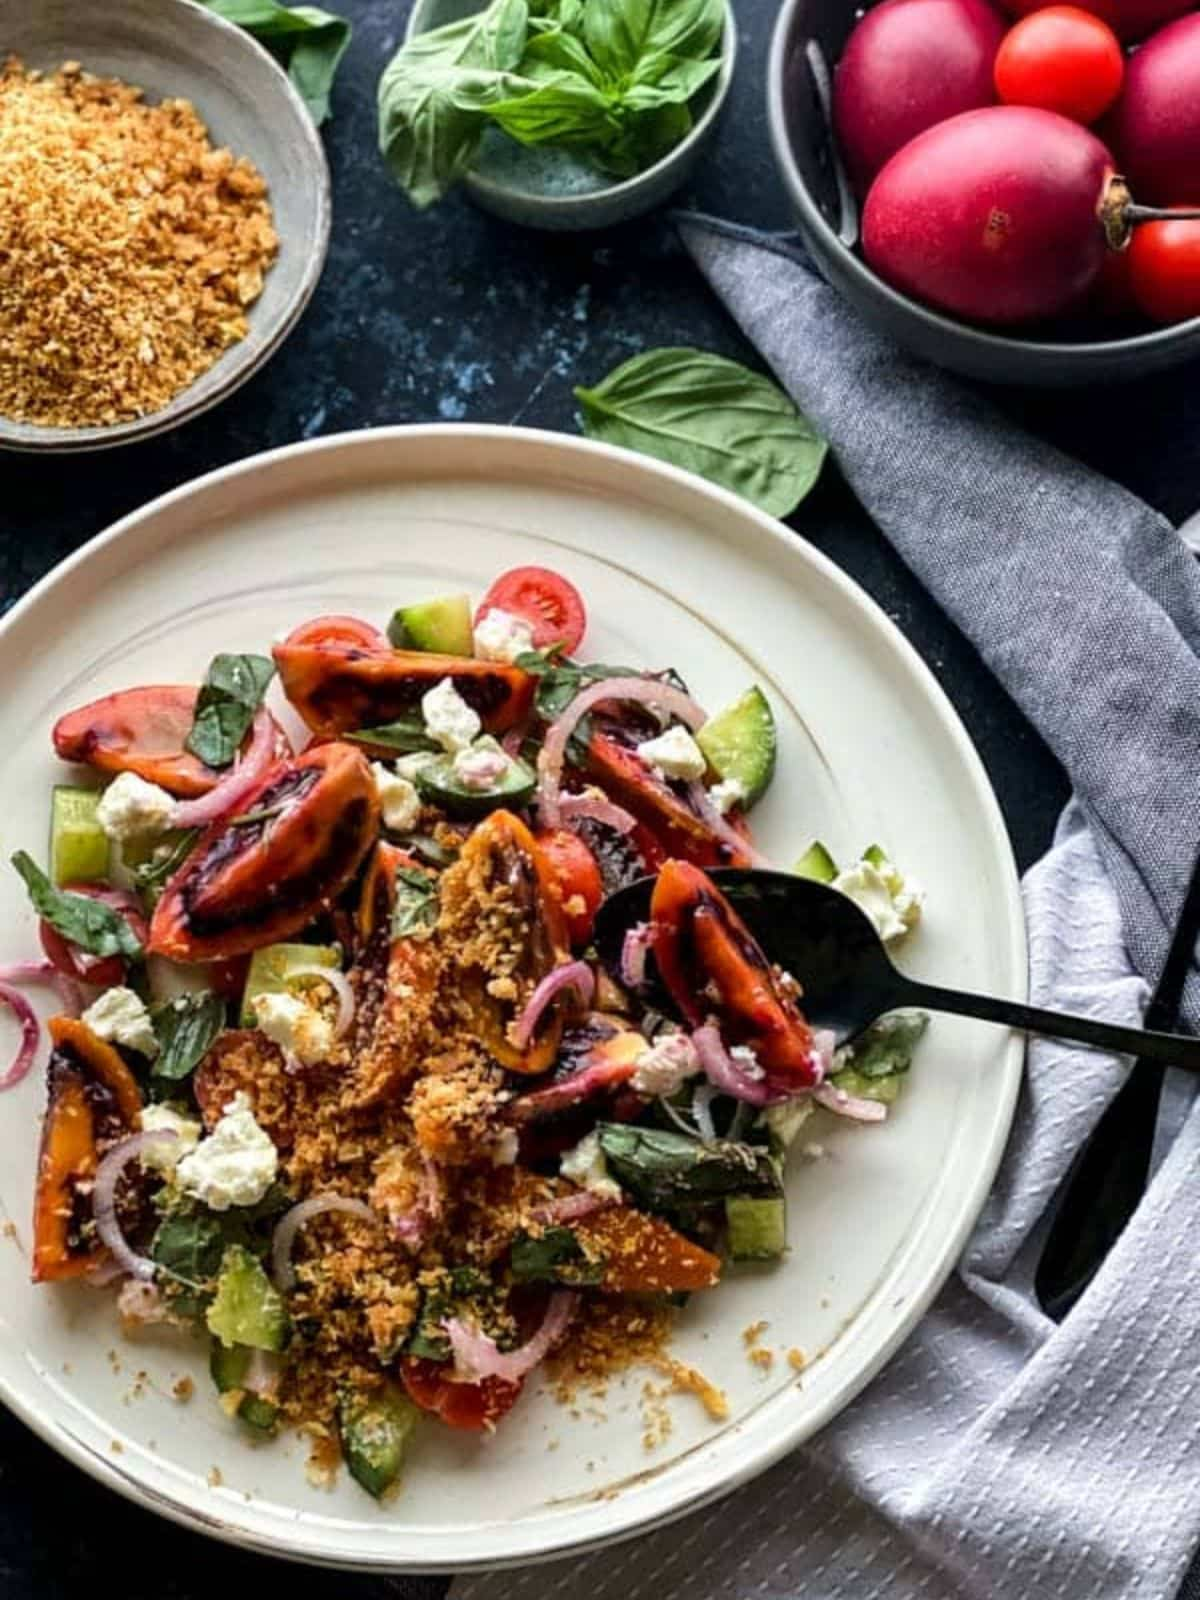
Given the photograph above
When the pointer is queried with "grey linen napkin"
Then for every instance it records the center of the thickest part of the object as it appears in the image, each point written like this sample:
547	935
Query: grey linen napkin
999	1455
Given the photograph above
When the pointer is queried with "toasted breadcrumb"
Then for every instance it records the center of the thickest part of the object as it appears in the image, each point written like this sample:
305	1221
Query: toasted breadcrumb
797	1359
132	248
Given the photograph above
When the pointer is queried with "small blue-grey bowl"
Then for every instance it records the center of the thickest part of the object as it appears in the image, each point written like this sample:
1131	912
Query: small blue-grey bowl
551	189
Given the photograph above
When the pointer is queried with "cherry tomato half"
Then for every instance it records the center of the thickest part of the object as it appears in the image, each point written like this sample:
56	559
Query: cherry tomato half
103	971
574	870
472	1406
1061	59
338	630
552	606
1164	269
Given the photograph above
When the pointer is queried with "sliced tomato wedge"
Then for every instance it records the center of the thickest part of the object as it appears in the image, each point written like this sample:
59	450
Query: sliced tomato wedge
143	731
71	961
546	600
338	629
470	1406
576	874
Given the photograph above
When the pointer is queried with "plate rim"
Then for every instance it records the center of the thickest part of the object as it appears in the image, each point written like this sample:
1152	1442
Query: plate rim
970	1201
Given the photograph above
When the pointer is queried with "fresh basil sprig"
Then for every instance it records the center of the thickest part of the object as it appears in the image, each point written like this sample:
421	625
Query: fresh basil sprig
710	416
609	79
229	696
185	1028
665	1171
90	924
307	42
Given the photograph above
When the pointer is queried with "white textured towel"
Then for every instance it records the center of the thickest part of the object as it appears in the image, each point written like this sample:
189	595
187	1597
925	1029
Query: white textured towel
999	1454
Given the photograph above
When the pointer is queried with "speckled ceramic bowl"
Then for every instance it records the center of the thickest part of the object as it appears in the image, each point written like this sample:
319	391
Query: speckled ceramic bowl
809	37
172	48
514	183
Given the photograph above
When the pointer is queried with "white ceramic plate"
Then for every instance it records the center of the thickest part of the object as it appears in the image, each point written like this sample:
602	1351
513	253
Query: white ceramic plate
675	572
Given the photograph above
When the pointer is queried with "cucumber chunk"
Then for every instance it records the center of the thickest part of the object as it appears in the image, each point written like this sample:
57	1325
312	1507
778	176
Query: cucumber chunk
439	785
271	969
247	1308
441	626
374	1430
739	743
78	844
757	1227
229	1365
816	863
884	1089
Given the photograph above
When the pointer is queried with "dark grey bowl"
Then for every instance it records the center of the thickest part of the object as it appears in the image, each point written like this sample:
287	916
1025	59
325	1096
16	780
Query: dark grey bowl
810	33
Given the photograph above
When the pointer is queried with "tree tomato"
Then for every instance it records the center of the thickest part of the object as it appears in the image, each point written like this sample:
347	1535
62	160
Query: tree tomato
1164	269
471	1406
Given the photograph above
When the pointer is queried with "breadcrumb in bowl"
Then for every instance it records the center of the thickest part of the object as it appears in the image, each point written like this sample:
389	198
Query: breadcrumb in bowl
181	352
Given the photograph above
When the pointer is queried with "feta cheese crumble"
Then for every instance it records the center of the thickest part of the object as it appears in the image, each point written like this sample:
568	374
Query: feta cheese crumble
297	1027
131	808
586	1166
448	717
164	1119
235	1165
399	801
665	1065
482	766
499	636
747	1060
674	754
120	1017
892	902
727	794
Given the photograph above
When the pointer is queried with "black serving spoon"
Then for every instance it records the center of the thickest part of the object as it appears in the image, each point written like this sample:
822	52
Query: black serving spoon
831	947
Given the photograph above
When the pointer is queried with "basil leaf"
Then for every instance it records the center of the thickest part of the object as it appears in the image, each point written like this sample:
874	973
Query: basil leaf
416	910
621	33
710	416
646	137
225	707
431	93
189	1249
557	48
151	875
308	43
407	736
665	1171
555	1256
90	924
562	108
886	1047
185	1028
667	80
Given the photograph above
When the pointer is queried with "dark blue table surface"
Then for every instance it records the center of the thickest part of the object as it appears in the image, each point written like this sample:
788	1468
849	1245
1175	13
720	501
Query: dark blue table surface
458	317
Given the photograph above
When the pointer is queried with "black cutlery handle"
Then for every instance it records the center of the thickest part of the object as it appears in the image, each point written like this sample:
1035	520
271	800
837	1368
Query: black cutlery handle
1177	1050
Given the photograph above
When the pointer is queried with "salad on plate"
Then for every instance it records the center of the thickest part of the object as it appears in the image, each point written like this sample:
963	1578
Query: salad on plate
337	1079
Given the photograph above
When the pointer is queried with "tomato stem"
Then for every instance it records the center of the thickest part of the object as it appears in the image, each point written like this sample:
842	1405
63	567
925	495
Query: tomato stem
1120	214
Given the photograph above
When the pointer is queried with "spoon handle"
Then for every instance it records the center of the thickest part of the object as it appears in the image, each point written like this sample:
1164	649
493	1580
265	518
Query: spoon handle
1178	1050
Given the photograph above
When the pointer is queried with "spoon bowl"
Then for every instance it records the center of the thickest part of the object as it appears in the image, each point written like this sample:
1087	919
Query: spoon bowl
847	980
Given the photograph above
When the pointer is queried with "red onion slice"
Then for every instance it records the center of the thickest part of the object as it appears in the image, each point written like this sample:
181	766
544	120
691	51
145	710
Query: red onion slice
575	975
413	1228
477	1357
31	1033
634	946
702	1099
339	983
644	691
246	772
572	1207
46	972
292	1221
724	1072
104	1199
589	807
853	1106
722	828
